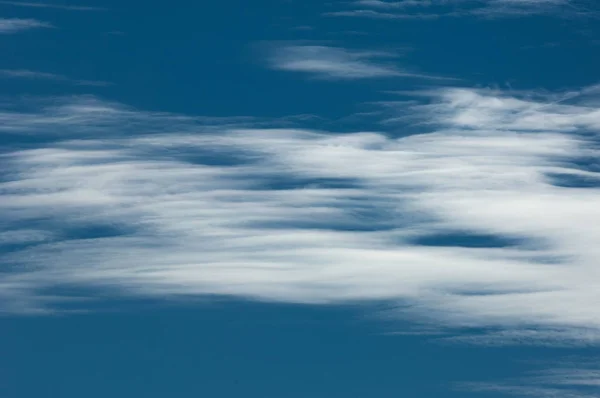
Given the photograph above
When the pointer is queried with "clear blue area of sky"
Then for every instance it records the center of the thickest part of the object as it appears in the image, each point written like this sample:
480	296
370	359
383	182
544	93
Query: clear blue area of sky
227	349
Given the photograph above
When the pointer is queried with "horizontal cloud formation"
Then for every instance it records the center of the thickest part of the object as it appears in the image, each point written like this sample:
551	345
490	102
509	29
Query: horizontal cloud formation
335	63
14	25
573	380
489	219
34	75
439	8
48	5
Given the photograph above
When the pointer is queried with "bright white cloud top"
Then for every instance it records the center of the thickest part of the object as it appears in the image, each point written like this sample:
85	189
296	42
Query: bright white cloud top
192	209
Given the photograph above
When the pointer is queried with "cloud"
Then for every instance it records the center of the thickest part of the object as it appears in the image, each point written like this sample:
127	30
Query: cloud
362	13
335	63
425	9
570	380
28	74
479	109
482	221
551	337
570	377
392	4
532	391
47	5
15	25
86	117
22	73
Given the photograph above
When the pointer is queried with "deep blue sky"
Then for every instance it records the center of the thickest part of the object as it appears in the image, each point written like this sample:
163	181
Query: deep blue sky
94	75
229	349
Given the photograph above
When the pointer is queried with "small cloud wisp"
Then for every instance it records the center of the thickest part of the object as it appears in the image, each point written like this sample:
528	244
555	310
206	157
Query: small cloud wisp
16	25
335	63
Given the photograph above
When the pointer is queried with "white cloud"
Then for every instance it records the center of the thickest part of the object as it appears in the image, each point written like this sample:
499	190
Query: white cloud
428	3
29	74
336	63
192	209
567	381
475	109
15	25
23	73
554	337
395	4
567	376
47	5
374	14
532	391
425	9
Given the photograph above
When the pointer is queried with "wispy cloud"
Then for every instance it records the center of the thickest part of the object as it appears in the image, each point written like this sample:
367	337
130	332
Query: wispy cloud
567	381
330	62
36	75
48	5
489	219
426	9
392	4
337	63
15	25
564	337
374	14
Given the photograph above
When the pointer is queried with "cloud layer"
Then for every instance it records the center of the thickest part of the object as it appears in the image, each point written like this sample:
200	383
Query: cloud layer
490	219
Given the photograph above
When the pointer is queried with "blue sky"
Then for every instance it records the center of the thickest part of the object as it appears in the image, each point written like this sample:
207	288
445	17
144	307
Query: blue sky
300	198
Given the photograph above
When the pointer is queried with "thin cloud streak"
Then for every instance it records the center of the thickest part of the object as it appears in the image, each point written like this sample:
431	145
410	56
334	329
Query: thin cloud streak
411	9
304	216
392	4
337	63
567	381
16	25
362	13
54	6
329	62
35	75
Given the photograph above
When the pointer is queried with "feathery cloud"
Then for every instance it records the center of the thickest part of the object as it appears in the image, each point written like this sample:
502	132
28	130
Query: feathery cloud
490	219
336	63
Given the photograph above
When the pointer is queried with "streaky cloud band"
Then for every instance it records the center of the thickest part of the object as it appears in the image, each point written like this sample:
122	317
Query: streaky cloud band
465	223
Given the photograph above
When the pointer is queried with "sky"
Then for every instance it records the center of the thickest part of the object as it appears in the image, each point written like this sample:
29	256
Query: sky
284	198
